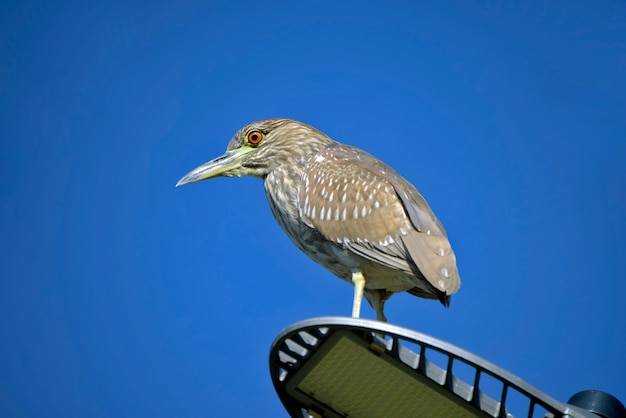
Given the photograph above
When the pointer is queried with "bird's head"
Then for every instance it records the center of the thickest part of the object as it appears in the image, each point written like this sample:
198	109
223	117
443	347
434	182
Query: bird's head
260	147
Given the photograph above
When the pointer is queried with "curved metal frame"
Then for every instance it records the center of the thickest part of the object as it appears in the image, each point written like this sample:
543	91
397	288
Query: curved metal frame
298	342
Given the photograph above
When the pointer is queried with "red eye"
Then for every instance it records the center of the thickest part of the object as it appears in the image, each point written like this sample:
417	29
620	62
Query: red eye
255	137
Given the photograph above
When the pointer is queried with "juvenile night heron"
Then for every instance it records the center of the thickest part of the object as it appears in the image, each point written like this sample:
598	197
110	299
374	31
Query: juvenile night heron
347	210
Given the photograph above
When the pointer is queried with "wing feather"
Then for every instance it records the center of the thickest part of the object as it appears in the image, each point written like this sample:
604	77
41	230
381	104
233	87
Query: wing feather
359	202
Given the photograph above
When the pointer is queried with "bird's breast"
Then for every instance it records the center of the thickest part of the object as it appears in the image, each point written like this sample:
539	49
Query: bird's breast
282	188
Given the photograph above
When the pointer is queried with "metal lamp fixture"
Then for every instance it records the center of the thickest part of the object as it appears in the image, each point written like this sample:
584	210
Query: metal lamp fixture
346	367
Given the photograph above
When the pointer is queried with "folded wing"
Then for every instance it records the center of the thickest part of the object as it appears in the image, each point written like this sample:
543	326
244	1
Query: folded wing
359	202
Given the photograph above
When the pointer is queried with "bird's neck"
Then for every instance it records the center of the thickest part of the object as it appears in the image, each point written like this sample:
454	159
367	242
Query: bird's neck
282	186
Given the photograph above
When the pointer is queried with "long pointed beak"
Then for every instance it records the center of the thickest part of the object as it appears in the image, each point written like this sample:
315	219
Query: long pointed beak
216	167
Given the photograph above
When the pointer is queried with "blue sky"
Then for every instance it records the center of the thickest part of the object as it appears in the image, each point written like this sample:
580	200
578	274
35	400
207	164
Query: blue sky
121	295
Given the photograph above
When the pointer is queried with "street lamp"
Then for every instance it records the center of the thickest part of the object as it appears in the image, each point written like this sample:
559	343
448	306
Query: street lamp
336	367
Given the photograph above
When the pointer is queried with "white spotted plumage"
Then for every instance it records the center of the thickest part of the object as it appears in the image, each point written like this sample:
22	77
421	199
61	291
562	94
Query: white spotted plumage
345	209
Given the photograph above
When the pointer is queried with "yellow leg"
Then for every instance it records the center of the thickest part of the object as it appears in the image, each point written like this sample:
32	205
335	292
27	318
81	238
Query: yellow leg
359	285
379	313
377	298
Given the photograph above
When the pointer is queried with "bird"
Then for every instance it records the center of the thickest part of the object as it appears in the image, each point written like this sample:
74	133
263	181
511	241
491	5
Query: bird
347	210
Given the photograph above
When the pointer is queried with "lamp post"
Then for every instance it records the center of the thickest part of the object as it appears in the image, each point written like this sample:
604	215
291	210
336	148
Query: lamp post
349	367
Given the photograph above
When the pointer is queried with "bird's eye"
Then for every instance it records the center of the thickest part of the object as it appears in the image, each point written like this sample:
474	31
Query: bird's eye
255	137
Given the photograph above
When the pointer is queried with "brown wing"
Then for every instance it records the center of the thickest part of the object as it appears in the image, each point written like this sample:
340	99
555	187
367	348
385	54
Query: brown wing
354	199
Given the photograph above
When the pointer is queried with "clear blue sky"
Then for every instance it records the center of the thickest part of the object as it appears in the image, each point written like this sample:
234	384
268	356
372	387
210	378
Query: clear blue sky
121	295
